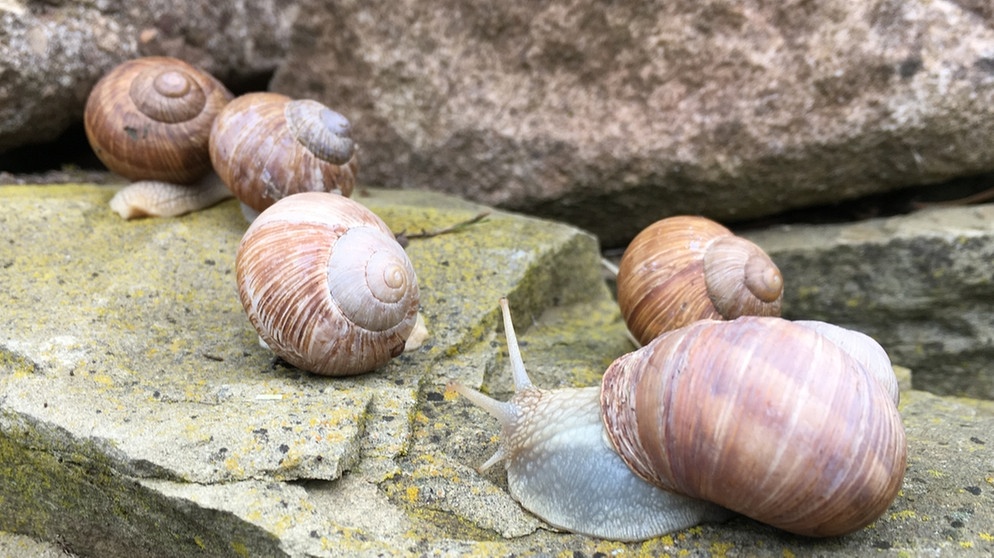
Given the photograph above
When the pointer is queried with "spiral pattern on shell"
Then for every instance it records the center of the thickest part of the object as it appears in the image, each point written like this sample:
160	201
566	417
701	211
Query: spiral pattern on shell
686	268
326	284
759	415
150	119
266	146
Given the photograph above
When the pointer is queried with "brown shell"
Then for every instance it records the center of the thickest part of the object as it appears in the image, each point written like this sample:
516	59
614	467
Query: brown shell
686	268
762	416
326	284
266	146
150	119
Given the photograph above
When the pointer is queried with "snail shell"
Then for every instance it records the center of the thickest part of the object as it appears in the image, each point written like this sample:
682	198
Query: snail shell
757	415
326	285
266	146
150	119
761	416
686	268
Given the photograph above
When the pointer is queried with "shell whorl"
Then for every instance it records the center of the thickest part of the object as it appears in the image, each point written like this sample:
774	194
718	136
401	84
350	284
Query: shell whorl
266	146
150	119
764	417
326	285
167	94
326	133
741	279
687	268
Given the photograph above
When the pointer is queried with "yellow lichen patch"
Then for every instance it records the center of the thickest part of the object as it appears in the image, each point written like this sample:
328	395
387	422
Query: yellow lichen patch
721	548
102	379
903	515
16	364
240	548
985	536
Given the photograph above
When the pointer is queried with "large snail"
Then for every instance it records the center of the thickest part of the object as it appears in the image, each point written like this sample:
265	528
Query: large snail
757	415
149	120
326	285
266	146
687	268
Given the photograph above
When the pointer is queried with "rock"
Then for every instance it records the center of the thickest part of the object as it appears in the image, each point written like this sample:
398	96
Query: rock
610	117
139	416
26	547
920	284
51	54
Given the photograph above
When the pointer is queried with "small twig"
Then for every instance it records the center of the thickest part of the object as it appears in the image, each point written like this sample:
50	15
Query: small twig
403	237
982	196
609	266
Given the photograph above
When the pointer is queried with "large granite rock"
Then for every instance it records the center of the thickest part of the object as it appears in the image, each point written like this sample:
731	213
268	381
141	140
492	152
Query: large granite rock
51	53
139	416
920	283
612	116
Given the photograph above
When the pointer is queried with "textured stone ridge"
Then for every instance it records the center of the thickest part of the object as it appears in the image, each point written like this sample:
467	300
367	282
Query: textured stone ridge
139	416
610	116
921	284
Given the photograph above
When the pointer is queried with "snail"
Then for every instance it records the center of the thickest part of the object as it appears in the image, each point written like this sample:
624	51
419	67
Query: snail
687	268
326	285
149	120
266	146
756	415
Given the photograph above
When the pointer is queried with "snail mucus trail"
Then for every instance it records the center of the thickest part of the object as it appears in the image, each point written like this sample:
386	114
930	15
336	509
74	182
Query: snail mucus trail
584	459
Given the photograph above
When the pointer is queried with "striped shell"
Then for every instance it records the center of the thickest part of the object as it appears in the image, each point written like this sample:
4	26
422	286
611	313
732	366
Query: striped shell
266	146
683	269
762	416
326	285
150	119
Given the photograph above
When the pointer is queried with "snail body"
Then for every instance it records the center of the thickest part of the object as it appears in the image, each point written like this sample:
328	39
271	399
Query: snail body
149	119
756	415
687	268
326	285
266	146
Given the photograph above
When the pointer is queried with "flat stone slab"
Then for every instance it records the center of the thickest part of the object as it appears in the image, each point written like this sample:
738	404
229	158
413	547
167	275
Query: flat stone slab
140	417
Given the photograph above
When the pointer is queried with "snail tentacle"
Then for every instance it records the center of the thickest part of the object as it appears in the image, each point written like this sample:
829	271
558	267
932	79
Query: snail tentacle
562	467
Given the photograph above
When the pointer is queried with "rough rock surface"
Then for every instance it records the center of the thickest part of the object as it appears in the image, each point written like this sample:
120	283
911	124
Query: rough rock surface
139	417
921	284
51	53
610	117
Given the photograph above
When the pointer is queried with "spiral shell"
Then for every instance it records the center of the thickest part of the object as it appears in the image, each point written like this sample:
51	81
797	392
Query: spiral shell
326	285
266	146
685	268
762	416
150	119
